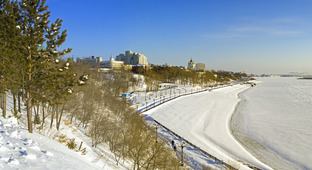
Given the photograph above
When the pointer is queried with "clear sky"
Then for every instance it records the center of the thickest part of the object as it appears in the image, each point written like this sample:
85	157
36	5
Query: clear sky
254	36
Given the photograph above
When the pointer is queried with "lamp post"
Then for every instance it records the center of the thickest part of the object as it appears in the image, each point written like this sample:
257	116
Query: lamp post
182	144
146	105
156	127
170	91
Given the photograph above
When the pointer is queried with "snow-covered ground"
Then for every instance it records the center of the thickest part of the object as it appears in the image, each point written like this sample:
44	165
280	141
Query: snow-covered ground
203	119
46	149
274	122
21	150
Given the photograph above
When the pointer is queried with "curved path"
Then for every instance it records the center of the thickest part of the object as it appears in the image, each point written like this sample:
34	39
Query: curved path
203	119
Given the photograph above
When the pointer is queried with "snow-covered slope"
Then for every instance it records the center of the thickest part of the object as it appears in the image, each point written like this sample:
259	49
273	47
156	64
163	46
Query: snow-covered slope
21	150
47	149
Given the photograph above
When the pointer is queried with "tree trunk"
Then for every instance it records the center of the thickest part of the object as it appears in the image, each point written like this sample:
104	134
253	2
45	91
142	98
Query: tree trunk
3	104
52	117
14	102
0	100
56	115
29	116
29	97
19	101
43	118
58	122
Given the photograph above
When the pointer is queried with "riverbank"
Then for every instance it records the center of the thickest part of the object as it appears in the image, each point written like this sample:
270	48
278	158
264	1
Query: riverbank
203	119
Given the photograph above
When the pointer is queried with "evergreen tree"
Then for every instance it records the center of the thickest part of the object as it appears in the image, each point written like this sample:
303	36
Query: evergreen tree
9	41
35	31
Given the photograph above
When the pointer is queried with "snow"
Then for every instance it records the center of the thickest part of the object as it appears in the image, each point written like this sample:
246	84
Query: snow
274	122
21	150
44	150
203	119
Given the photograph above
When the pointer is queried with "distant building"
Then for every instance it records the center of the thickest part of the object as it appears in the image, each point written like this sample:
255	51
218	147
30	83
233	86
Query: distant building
130	58
93	61
112	64
200	67
191	65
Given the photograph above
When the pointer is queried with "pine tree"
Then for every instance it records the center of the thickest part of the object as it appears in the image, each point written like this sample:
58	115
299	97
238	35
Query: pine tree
35	31
9	41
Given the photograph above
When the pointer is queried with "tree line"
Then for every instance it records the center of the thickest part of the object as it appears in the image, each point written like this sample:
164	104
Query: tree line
159	74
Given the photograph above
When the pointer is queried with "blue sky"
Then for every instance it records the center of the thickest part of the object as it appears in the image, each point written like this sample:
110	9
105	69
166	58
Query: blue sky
254	36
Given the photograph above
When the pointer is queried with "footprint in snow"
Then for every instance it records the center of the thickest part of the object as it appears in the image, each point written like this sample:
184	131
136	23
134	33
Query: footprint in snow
12	161
23	153
47	153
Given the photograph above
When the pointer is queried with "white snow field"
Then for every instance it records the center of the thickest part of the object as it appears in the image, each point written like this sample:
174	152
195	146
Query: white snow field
203	119
21	150
274	122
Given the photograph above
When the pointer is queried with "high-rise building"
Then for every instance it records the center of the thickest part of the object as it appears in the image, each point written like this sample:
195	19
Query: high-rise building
130	58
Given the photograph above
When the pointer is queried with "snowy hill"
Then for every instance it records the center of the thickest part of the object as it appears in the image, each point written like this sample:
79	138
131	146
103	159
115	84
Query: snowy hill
22	150
47	149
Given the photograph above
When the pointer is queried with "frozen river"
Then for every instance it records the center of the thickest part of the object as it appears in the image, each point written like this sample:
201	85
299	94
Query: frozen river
274	122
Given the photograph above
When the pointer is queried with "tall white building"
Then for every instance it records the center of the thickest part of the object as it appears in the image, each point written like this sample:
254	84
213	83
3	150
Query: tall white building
130	58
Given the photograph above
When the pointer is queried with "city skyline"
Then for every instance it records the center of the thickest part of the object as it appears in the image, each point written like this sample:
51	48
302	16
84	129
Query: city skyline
241	36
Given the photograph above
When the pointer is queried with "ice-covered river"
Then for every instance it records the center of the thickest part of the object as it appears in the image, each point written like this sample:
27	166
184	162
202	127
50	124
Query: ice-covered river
274	122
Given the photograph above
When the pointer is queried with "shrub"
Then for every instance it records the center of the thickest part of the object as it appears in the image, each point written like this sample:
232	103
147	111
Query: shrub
71	144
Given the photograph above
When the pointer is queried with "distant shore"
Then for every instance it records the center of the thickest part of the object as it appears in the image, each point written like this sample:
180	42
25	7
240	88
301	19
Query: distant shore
305	78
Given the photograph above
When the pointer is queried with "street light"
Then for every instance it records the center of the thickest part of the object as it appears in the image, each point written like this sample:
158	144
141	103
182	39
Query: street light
156	127
182	144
